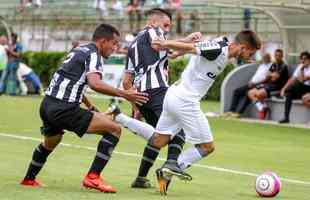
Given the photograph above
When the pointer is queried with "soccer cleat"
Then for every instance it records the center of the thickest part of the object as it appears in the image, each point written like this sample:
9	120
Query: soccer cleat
113	111
163	181
141	182
94	181
173	169
32	183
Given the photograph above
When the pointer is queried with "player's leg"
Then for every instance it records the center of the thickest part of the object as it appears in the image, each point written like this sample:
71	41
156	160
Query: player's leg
52	137
39	157
198	132
111	132
306	99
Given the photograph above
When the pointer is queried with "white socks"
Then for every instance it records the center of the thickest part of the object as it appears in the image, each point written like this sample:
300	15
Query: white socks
189	157
140	128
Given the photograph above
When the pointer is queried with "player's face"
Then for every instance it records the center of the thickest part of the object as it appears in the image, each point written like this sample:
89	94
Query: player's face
165	24
108	46
246	52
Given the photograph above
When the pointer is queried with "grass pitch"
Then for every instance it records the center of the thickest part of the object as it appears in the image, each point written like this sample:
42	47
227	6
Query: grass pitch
248	149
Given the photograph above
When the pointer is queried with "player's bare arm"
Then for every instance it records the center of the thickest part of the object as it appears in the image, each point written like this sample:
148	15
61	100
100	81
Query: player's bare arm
175	45
95	83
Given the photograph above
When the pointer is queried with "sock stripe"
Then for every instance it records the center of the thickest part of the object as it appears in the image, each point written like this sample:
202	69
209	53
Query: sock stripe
180	137
102	156
152	148
175	146
106	141
37	164
147	159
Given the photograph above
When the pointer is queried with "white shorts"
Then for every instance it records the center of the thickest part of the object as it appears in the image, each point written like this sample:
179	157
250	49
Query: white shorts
180	114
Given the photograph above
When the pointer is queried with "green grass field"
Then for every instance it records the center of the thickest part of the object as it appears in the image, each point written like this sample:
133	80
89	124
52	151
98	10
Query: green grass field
243	147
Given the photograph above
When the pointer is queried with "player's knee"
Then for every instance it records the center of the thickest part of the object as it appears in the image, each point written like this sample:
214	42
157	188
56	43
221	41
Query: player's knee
158	140
51	143
207	148
116	130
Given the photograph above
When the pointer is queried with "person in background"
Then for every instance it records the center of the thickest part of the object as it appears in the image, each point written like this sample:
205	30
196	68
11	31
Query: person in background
3	54
306	99
9	80
275	80
101	7
297	86
134	13
25	73
240	99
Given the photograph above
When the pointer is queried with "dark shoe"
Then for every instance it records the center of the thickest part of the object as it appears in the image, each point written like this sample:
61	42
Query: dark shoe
173	169
283	121
141	182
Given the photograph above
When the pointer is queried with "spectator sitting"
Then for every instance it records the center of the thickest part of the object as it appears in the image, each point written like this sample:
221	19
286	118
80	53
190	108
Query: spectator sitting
297	86
240	99
275	80
25	73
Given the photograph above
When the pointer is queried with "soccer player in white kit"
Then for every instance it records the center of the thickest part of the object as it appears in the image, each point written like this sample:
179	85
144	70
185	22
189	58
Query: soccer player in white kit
181	109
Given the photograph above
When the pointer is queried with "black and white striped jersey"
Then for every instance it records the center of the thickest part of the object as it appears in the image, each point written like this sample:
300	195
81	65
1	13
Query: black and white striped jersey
69	81
148	66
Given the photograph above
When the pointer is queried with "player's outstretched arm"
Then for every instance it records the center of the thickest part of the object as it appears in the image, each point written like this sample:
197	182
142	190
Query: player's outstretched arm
95	83
175	45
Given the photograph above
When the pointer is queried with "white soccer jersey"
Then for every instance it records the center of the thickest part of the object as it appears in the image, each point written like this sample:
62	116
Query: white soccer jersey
297	73
202	70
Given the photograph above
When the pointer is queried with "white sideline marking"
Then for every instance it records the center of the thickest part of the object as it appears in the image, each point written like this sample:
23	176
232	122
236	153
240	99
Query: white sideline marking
139	156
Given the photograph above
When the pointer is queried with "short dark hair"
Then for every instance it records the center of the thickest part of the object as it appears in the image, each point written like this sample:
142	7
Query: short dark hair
279	51
105	31
250	38
159	11
304	53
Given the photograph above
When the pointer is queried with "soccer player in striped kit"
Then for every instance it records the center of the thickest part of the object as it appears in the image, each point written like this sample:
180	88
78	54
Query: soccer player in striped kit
60	109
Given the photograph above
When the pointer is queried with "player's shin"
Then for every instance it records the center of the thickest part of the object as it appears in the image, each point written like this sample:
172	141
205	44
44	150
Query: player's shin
39	158
175	147
192	155
104	150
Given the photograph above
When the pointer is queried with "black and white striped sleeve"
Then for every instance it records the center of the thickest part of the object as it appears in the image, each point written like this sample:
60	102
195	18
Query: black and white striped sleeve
155	33
93	64
208	49
129	67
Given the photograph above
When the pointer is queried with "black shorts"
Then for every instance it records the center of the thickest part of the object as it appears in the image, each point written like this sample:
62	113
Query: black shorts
152	110
58	116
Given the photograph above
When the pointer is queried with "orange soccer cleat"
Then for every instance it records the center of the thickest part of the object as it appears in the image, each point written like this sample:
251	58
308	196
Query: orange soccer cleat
94	181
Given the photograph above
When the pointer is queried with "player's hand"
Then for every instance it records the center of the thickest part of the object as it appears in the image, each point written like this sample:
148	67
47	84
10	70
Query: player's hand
174	54
193	37
158	44
135	97
282	92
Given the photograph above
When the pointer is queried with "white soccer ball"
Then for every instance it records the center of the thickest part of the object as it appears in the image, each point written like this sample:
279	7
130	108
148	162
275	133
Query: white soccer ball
268	184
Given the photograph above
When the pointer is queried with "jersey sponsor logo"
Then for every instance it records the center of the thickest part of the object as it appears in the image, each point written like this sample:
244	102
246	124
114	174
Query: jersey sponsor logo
208	45
211	75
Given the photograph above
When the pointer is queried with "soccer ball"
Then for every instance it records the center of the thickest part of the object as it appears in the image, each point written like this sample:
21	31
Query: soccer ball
268	184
